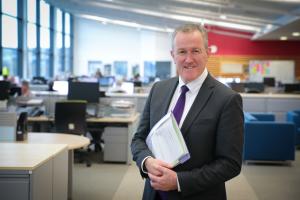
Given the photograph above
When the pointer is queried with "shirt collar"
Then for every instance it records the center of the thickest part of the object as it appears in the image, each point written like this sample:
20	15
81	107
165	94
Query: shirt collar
195	85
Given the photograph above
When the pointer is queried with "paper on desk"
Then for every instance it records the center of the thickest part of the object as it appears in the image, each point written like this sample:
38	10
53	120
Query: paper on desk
166	142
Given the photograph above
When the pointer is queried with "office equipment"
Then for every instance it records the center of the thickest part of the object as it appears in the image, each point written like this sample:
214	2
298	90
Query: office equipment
4	90
33	171
137	83
127	87
106	81
15	91
254	87
70	118
22	130
269	81
61	86
39	80
292	87
8	124
88	91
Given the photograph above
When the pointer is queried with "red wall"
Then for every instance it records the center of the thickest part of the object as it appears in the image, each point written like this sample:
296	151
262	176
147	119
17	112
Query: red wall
231	45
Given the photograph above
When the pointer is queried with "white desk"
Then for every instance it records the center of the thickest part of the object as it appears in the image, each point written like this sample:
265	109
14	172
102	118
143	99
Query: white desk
72	142
129	122
33	171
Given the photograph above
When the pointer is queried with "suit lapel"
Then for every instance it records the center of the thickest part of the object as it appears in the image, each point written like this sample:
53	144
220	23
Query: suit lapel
201	99
168	93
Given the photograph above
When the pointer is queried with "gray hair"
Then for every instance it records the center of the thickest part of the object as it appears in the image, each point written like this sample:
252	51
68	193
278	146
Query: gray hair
188	28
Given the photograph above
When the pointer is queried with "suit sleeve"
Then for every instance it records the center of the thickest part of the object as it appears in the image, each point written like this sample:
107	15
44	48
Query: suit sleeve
228	151
139	147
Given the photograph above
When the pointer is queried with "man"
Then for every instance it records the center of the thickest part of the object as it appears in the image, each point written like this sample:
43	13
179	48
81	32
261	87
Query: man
211	124
25	89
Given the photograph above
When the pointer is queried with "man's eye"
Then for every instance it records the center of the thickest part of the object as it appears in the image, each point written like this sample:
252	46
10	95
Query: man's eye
181	52
197	51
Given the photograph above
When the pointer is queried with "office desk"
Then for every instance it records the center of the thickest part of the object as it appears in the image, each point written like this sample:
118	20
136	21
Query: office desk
129	122
72	142
33	171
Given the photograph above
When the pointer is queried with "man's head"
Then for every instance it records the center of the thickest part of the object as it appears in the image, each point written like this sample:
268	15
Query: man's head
25	87
190	51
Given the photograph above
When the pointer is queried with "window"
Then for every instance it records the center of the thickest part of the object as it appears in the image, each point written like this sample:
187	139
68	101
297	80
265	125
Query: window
9	7
9	32
45	65
45	14
31	36
163	69
48	47
10	60
149	69
31	11
120	68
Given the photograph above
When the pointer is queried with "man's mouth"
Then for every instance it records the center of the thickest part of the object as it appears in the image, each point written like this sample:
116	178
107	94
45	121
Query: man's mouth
188	67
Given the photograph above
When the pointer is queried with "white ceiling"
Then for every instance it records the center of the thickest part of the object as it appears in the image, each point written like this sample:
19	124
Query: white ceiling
266	19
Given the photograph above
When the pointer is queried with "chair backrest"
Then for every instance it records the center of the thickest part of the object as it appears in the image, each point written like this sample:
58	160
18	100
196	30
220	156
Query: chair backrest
70	117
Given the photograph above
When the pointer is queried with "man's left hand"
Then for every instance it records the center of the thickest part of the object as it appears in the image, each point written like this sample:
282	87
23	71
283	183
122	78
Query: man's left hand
167	181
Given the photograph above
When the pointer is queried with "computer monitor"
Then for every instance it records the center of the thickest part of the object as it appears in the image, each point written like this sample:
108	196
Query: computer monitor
269	81
4	90
106	81
88	91
15	91
254	87
137	83
292	87
61	86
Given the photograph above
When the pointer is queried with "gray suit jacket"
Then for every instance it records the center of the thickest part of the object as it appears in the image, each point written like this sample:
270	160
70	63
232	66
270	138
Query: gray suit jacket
213	131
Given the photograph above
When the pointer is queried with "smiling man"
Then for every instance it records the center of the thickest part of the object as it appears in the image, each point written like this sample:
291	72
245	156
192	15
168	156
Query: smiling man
210	117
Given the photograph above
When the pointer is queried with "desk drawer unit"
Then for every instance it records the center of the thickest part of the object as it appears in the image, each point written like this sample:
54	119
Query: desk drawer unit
116	144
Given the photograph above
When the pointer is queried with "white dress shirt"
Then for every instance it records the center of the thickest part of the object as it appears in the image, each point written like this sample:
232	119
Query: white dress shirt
190	96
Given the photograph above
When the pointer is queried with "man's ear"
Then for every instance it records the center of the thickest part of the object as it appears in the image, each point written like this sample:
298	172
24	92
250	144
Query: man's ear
172	54
208	52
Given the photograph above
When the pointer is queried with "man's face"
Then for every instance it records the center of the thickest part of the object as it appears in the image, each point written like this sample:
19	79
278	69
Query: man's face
190	55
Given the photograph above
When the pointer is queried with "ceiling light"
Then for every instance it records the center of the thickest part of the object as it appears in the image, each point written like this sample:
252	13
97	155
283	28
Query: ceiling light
296	34
283	38
123	23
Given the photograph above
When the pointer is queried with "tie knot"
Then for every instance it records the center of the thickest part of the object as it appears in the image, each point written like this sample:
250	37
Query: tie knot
184	89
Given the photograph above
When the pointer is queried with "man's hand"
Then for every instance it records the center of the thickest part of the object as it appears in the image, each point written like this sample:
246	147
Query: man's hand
161	175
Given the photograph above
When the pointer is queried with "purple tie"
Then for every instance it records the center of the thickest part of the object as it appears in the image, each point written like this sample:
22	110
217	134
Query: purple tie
179	107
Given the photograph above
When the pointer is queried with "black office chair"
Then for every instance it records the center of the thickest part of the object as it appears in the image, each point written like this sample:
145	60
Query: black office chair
70	117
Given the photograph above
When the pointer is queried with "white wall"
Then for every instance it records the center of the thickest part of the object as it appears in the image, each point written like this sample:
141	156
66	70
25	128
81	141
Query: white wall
107	43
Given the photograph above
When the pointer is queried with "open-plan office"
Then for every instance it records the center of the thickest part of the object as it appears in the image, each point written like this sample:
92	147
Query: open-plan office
90	66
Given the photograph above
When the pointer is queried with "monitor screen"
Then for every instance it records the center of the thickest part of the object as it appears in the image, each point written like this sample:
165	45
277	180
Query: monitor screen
4	90
127	87
88	91
292	87
269	81
61	86
106	81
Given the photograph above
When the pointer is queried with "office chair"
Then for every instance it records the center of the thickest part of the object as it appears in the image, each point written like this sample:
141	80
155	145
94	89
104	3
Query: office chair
70	117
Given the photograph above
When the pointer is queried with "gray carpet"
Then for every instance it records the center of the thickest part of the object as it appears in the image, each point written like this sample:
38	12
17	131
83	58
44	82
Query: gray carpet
105	181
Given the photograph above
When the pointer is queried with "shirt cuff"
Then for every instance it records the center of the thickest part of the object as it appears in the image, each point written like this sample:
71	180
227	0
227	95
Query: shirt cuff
144	170
178	186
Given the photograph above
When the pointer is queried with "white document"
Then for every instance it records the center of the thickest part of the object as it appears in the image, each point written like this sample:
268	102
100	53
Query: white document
166	142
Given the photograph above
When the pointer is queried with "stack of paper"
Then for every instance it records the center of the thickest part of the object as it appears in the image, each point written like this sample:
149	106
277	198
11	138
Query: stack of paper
166	142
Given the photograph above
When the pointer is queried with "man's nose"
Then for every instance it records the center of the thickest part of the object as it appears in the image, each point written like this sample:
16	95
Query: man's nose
189	57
